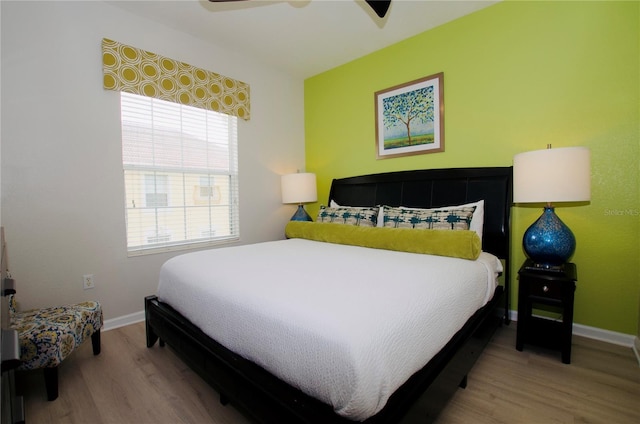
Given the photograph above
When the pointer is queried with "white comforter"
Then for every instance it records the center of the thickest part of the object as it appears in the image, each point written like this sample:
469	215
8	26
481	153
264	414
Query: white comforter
345	324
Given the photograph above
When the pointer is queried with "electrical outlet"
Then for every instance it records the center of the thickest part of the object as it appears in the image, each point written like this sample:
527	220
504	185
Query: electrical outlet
87	281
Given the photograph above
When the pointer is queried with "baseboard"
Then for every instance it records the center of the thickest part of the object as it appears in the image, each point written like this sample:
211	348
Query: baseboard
603	335
613	337
113	323
636	349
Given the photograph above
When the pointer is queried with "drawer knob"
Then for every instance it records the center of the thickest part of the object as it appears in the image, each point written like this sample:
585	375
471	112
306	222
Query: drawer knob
545	288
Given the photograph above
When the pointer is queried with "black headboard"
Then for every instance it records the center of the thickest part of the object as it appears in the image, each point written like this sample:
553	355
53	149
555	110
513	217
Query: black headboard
429	188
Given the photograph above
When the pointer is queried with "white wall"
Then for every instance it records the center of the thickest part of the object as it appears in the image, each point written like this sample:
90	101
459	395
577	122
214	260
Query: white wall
62	184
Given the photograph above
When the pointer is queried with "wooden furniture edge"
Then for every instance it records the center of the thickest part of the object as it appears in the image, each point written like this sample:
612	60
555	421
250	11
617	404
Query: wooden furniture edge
266	399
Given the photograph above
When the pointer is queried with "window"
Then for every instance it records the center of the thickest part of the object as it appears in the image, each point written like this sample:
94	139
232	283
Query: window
181	175
156	191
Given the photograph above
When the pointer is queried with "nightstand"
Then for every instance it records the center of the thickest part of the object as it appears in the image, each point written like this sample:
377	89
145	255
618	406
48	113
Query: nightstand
546	290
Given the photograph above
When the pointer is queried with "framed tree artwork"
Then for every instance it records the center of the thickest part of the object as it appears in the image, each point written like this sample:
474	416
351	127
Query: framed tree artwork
410	118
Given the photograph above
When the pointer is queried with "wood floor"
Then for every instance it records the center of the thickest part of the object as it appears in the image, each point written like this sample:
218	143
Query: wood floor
128	383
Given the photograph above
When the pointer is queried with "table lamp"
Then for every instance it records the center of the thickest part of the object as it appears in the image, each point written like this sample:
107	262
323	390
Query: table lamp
546	176
299	188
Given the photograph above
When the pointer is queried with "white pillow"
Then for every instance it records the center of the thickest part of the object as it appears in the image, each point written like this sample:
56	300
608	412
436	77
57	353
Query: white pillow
477	222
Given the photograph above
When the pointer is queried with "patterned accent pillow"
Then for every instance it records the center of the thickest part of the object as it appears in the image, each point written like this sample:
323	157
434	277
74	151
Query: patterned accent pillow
349	215
434	219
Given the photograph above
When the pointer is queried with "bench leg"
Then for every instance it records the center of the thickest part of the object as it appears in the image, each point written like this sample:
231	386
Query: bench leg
95	342
51	382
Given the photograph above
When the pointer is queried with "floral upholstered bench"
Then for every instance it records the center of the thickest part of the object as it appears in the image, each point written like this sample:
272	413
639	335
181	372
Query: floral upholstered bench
47	336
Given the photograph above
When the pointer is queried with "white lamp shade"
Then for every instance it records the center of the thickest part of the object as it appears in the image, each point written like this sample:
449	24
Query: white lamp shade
552	175
299	188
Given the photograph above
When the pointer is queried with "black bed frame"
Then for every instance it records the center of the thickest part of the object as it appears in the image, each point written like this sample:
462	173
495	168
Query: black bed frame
263	398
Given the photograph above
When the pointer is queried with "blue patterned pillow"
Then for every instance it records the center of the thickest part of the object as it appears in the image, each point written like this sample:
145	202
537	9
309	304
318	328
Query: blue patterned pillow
349	215
434	219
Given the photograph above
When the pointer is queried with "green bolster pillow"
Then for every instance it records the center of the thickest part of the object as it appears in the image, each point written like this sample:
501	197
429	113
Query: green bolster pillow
463	244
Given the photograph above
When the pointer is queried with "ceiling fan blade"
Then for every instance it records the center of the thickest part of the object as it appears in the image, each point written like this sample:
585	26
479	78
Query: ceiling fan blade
379	6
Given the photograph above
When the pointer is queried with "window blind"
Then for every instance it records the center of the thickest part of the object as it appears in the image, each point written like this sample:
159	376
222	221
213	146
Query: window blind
181	174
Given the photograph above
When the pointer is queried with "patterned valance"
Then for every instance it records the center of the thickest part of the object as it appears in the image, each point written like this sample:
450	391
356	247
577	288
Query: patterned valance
140	72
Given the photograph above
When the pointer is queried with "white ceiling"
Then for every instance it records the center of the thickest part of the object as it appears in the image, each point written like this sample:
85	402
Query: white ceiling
302	37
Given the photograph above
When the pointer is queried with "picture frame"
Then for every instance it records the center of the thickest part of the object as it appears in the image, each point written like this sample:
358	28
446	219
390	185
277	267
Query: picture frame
410	118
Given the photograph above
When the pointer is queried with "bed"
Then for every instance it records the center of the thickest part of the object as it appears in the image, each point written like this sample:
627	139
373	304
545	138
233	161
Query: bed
253	379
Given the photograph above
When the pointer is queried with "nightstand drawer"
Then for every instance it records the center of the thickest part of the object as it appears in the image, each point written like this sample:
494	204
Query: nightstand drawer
547	289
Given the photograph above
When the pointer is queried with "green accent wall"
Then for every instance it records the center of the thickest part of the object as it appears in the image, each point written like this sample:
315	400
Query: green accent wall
517	75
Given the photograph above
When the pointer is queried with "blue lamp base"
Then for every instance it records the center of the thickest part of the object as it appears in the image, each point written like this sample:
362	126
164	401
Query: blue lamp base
301	215
548	242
